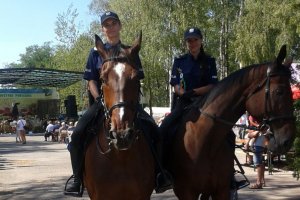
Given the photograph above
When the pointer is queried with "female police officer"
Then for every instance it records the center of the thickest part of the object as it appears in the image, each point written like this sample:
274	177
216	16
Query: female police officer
193	74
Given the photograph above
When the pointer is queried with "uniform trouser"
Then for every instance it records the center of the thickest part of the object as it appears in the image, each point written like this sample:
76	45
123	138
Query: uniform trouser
78	139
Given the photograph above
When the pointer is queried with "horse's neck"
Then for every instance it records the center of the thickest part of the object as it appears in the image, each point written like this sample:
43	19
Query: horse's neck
229	104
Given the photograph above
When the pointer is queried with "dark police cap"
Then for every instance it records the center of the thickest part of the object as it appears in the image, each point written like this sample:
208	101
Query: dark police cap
192	33
109	15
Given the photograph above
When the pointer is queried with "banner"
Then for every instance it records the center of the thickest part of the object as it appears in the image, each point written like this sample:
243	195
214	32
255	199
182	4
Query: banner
26	100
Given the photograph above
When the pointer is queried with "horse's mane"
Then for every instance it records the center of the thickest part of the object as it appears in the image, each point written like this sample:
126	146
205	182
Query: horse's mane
238	77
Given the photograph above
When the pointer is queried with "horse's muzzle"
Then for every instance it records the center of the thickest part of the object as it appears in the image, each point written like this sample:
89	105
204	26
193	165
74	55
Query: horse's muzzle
123	140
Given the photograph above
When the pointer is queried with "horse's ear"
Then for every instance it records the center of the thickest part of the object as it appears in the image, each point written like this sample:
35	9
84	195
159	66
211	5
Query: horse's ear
137	44
281	55
288	62
100	46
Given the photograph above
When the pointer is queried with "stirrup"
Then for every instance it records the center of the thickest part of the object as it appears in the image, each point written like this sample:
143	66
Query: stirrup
242	181
75	194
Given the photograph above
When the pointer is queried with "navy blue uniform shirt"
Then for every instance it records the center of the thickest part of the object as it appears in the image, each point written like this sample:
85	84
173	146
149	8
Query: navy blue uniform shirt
192	73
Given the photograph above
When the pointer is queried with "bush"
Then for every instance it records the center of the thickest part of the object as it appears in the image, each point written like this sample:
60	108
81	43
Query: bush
38	129
296	161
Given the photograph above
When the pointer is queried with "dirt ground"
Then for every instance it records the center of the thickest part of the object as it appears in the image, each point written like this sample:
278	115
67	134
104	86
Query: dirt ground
39	169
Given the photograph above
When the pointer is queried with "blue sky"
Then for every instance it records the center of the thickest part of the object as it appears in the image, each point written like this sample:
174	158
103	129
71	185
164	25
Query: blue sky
32	22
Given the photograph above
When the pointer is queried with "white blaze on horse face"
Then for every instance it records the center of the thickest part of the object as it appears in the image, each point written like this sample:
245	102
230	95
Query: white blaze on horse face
120	69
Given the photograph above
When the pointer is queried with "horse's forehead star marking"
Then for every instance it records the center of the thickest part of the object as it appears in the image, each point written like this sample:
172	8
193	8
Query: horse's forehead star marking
121	113
120	69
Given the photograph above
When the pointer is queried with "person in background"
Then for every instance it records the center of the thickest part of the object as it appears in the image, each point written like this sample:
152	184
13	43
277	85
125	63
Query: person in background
63	132
49	130
55	134
15	111
20	129
259	147
252	123
13	125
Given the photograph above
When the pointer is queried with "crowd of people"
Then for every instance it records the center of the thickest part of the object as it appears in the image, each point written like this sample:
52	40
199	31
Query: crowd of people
59	131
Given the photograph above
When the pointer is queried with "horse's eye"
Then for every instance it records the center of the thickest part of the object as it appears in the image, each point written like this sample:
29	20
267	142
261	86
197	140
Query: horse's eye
279	91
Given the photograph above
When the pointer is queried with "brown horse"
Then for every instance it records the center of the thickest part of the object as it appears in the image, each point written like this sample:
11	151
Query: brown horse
119	164
200	158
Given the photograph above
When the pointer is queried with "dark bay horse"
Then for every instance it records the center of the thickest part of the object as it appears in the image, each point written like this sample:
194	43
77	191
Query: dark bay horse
200	158
119	164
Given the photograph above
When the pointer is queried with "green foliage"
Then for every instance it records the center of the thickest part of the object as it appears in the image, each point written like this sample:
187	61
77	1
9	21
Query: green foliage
297	105
163	24
237	33
37	56
66	29
263	28
296	160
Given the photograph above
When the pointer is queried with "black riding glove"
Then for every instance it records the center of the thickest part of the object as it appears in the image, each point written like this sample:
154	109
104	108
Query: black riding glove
98	102
188	94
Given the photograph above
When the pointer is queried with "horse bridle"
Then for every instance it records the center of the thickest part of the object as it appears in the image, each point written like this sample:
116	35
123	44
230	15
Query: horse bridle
108	111
268	119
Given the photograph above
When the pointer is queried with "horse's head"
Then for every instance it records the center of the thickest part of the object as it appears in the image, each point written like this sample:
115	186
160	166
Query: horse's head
271	103
120	88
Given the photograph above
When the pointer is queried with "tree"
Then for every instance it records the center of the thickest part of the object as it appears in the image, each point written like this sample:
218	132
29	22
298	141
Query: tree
263	28
66	29
74	59
236	33
37	56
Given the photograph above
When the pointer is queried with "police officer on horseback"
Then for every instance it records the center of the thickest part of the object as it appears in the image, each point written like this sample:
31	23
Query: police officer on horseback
193	75
111	27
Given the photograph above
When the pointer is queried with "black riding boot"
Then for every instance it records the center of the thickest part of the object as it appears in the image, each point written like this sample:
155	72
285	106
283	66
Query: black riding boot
75	188
164	180
147	125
